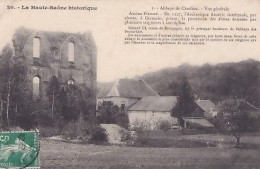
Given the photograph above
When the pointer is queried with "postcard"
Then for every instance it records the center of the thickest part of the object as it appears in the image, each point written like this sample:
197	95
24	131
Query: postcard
127	84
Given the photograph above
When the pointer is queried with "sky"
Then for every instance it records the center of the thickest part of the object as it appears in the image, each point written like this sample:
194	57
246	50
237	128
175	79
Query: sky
114	59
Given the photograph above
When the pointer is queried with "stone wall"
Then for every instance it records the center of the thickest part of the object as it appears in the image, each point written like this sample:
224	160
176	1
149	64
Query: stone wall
53	60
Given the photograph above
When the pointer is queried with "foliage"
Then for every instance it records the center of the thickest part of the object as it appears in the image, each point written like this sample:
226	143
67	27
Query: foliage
52	92
80	102
14	90
48	131
122	120
108	113
99	135
185	102
164	125
232	119
75	103
76	129
159	139
168	142
70	131
19	108
214	82
128	137
72	104
139	125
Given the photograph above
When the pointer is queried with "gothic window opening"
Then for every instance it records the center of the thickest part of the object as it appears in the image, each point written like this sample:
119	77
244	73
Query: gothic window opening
36	86
71	51
71	82
36	47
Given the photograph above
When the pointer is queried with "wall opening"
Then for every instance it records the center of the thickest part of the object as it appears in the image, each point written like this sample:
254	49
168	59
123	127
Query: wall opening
36	86
36	47
71	82
71	52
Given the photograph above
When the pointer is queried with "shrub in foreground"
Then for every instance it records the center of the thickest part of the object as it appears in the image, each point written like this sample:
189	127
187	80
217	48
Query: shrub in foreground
128	137
48	131
99	136
164	125
70	131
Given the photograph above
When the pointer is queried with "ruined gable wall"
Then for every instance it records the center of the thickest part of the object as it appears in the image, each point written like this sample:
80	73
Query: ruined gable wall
53	59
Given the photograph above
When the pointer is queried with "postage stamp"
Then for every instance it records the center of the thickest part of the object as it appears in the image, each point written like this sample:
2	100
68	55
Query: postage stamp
19	149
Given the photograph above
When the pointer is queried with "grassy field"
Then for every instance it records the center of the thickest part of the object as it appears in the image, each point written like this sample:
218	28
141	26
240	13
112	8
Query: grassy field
76	156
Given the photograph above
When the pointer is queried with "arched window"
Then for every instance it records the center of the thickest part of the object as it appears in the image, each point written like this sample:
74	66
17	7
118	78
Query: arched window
36	47
70	82
36	86
71	52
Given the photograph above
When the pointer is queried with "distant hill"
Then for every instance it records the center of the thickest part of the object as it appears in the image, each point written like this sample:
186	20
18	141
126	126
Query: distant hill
214	82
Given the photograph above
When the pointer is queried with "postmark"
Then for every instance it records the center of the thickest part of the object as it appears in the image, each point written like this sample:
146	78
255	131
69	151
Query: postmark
19	149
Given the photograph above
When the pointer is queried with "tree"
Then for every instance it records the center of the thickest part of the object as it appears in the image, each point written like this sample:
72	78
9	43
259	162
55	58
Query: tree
107	112
13	86
164	125
52	92
213	82
77	104
185	101
19	86
122	120
5	69
111	114
232	119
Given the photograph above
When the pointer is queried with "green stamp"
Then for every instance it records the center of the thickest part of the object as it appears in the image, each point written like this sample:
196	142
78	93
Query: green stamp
19	149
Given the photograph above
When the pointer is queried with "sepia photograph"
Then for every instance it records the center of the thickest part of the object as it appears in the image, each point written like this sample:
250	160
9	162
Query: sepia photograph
123	84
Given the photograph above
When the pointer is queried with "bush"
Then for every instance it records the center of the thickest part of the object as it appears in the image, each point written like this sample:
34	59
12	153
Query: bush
108	113
43	118
99	136
122	120
78	129
168	142
164	125
48	131
128	137
139	125
70	131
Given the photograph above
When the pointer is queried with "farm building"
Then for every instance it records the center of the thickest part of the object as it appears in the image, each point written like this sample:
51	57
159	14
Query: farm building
125	92
151	110
207	107
145	107
204	110
252	111
196	122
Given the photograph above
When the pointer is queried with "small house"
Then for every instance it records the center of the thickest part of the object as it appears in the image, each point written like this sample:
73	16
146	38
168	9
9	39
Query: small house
196	123
125	92
207	107
151	110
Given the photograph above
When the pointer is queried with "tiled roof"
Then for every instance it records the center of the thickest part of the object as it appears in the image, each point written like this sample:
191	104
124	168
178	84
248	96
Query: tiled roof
247	105
104	90
251	110
206	105
127	88
199	122
155	103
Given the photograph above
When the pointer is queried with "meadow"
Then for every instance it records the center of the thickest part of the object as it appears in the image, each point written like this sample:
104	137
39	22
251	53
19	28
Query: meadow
56	154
